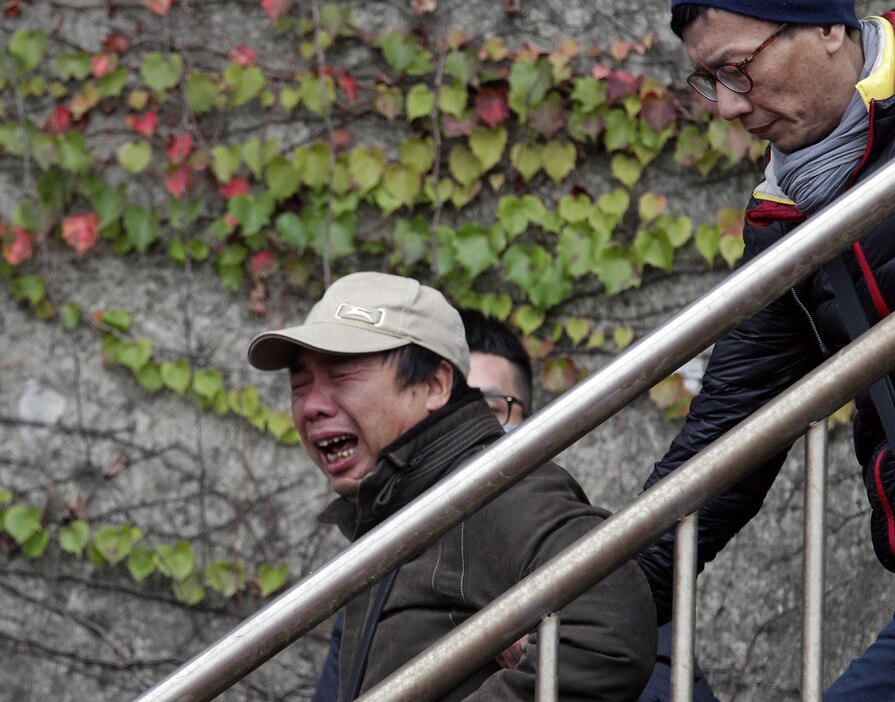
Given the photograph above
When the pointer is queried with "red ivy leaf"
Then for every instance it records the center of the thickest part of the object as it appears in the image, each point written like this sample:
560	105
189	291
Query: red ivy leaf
243	55
262	264
100	64
159	7
491	106
81	231
455	127
600	71
12	9
178	181
235	186
621	84
340	139
20	248
548	117
179	147
659	112
274	8
116	44
58	120
348	86
144	124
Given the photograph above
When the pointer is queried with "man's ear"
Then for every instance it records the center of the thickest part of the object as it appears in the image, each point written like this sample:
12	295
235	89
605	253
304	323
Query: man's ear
832	36
439	387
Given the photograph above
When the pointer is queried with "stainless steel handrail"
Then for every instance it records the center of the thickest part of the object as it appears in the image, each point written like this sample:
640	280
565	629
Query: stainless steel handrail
717	468
540	438
813	567
683	626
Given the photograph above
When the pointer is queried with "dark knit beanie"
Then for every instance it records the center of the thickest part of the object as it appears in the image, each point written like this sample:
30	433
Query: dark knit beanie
795	11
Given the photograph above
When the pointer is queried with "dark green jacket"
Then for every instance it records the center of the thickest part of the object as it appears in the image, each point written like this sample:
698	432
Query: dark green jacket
608	635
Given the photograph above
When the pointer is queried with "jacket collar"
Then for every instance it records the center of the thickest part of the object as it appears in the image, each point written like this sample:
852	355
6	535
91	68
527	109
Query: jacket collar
414	462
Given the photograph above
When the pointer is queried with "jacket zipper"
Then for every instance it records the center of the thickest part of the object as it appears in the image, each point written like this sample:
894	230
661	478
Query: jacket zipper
823	347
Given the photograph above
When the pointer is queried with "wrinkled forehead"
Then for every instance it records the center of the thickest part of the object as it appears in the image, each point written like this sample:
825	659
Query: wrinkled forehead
720	37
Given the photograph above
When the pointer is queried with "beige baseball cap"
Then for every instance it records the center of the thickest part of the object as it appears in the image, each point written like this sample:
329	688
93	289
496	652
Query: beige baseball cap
367	313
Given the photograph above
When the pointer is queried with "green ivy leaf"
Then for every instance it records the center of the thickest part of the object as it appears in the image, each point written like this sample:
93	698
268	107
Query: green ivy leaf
161	72
488	145
652	247
626	169
388	101
134	156
203	93
282	179
32	288
527	159
22	522
588	93
677	229
464	165
402	183
246	83
69	315
141	563
452	99
529	83
708	240
176	375
190	590
418	153
366	167
257	155
35	546
290	97
281	425
478	248
251	212
411	242
576	248
457	65
614	269
575	208
207	383
141	226
224	161
72	65
150	378
135	354
731	248
27	48
403	54
528	319
292	230
312	162
577	329
420	101
559	159
271	578
74	156
225	577
313	96
114	544
622	336
73	537
619	131
175	561
112	84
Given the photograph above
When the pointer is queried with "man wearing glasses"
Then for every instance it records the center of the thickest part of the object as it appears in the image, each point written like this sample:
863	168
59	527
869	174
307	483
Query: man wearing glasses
818	85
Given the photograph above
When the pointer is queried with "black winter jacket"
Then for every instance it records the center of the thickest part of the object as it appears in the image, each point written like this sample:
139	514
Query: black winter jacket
764	355
607	636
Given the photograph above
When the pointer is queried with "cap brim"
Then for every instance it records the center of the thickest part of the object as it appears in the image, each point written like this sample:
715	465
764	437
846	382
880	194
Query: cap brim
276	350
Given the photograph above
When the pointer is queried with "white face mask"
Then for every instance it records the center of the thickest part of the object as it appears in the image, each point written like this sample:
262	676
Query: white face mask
508	427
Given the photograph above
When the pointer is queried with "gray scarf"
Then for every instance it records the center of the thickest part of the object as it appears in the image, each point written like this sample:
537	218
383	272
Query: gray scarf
815	175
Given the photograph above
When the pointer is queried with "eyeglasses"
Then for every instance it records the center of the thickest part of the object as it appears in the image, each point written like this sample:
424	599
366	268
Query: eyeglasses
502	406
732	76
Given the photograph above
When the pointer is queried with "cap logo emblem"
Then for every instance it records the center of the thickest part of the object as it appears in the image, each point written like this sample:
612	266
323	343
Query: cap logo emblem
358	313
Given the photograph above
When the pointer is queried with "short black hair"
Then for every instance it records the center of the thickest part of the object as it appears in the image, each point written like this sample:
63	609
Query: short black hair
683	15
488	335
416	364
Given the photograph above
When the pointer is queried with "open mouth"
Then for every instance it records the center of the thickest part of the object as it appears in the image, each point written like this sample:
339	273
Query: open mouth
337	448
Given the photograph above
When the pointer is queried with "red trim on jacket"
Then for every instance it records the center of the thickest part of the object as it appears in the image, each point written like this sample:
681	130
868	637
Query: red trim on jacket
882	309
769	212
887	508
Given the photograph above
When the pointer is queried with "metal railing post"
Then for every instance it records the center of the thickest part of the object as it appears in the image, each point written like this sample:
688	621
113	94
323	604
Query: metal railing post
540	438
547	680
816	462
683	628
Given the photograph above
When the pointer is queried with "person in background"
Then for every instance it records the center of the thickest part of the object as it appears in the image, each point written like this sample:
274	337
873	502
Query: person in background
819	85
380	399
